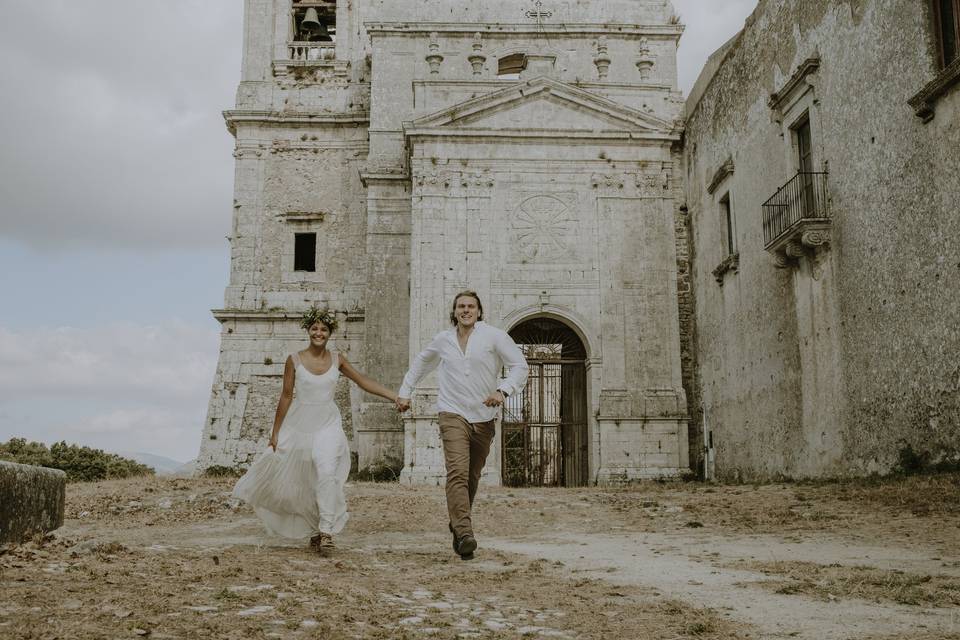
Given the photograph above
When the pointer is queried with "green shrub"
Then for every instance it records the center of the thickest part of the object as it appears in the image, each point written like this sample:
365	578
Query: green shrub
79	463
221	471
387	470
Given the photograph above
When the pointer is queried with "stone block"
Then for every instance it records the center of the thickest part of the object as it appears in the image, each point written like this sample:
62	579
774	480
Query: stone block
31	500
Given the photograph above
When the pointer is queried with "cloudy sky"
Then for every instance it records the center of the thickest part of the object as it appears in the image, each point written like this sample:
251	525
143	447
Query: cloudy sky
115	188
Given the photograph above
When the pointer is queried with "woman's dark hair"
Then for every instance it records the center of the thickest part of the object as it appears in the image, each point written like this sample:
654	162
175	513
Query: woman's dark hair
465	294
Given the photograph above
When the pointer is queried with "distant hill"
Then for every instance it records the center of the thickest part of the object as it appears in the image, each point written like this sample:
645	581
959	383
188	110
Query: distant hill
163	466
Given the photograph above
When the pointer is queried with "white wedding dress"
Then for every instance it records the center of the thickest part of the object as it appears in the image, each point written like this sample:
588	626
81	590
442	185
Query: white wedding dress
297	490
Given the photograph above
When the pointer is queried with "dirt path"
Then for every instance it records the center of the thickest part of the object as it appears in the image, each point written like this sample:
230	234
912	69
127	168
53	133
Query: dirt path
667	565
181	559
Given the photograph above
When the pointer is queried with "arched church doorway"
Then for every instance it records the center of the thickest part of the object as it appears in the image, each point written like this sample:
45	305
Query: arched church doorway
545	424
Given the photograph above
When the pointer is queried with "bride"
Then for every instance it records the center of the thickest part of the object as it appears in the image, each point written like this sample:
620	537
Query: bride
296	486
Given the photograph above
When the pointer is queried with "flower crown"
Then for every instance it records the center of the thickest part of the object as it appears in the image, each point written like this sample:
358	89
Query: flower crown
315	314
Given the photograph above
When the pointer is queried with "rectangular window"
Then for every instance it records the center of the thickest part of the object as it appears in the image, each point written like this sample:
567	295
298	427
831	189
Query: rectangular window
305	252
730	227
947	18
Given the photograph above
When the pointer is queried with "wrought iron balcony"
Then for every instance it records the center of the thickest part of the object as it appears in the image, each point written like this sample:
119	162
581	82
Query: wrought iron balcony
797	216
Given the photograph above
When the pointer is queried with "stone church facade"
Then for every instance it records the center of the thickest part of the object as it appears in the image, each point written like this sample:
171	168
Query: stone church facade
390	154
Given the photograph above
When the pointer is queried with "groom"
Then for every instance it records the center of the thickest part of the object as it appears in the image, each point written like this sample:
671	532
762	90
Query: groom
470	356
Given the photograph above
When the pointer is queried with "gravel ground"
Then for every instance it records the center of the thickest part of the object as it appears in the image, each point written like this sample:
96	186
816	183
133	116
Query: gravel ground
180	558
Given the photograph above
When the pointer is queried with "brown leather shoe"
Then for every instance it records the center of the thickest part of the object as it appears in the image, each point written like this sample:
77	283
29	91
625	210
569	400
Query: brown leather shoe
466	546
456	543
322	543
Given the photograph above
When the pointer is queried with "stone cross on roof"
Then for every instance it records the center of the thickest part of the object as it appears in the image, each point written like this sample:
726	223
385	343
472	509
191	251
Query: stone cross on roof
539	14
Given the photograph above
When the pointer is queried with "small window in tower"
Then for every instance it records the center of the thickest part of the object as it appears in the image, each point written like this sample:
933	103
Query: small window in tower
511	66
315	20
305	252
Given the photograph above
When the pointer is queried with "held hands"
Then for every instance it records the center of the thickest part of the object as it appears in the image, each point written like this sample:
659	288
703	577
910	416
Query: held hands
495	399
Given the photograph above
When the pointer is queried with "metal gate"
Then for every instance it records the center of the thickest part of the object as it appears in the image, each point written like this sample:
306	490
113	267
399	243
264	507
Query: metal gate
545	424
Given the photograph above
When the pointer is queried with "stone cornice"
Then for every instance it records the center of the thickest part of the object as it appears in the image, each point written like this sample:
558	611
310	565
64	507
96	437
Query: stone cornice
234	117
382	175
506	84
633	121
223	315
806	68
924	101
551	134
725	170
301	216
671	31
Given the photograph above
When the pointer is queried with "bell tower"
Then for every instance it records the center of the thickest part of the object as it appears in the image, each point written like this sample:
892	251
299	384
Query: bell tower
299	222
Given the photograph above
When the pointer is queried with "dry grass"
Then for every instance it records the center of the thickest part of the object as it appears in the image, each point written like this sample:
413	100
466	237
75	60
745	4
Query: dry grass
921	509
919	635
830	582
181	588
387	593
135	566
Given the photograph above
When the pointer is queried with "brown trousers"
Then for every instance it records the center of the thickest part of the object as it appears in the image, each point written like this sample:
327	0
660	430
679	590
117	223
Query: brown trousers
465	449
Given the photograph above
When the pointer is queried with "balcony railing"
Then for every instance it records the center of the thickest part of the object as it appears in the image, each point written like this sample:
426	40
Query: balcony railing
312	51
804	198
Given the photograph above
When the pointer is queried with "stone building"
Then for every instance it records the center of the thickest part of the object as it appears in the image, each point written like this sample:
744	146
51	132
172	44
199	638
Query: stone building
390	154
822	166
760	282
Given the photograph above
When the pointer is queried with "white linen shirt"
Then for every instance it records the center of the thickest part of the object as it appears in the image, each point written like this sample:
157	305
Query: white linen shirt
467	379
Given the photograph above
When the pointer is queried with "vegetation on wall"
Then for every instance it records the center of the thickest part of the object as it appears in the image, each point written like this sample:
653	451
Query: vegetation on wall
387	470
221	471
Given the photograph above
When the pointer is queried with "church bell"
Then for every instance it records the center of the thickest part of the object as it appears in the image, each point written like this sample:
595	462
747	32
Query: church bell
311	21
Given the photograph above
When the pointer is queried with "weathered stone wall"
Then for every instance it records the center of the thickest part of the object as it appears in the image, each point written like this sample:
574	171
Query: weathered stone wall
838	362
289	180
686	314
31	500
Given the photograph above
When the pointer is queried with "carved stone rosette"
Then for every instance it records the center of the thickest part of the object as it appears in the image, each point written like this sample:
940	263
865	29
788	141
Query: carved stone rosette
477	179
608	180
655	183
434	182
545	229
443	182
815	238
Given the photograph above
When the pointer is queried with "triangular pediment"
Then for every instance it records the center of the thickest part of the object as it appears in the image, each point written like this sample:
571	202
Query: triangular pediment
540	105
